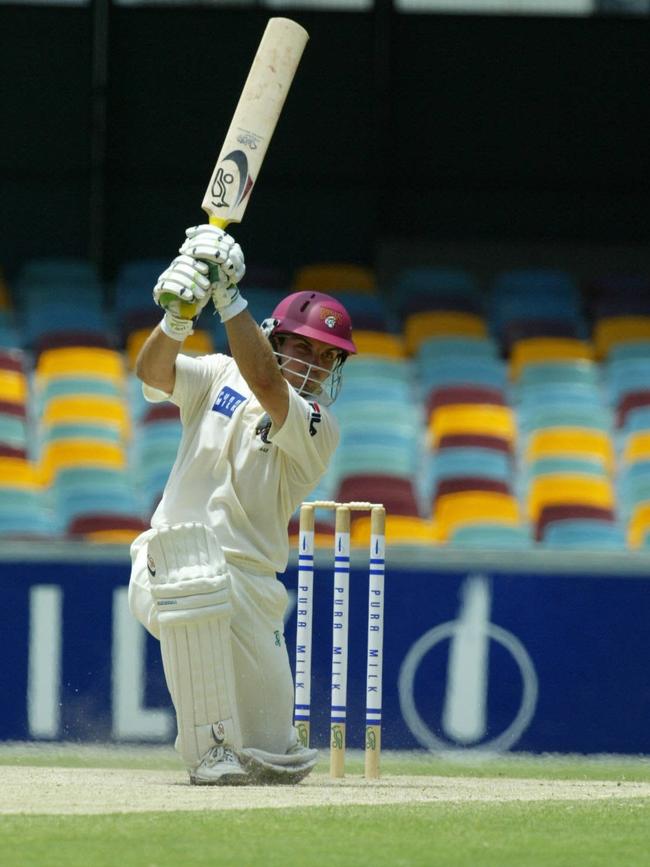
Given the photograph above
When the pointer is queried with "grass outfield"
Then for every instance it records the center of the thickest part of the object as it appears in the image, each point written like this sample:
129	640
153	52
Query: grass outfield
605	831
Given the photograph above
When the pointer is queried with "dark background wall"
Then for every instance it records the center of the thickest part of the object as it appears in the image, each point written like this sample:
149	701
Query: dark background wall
444	127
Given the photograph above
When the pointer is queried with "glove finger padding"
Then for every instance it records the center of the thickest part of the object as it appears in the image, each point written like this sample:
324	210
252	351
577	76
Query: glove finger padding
212	244
186	279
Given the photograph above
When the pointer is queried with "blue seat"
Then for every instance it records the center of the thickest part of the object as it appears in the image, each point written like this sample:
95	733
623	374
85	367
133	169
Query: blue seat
488	537
626	375
534	416
629	349
584	534
546	283
13	431
28	522
435	280
372	413
68	270
11	336
436	373
364	367
57	316
389	391
73	385
550	466
558	394
637	420
561	372
434	348
368	458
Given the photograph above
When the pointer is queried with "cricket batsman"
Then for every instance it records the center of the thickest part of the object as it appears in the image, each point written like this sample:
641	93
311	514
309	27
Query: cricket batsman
256	438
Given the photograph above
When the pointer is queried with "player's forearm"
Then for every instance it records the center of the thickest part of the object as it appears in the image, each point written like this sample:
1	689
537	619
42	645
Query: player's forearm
254	357
156	361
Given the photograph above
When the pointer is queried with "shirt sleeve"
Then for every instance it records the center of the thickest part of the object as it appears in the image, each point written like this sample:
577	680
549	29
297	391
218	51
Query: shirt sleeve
308	437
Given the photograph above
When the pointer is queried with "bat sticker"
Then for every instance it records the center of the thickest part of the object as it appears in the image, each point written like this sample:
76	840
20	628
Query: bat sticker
223	179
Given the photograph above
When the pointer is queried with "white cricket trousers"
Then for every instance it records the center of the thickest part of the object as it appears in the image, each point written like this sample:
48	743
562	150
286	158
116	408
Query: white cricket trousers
263	680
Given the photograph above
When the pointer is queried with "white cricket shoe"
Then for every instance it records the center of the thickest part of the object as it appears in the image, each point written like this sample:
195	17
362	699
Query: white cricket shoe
219	767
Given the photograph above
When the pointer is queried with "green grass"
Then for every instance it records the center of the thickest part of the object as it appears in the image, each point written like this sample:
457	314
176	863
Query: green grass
451	835
598	833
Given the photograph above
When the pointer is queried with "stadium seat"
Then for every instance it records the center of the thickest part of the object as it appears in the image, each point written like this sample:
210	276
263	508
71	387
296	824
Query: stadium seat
397	495
626	376
444	347
379	343
631	401
567	442
569	511
466	483
585	534
453	510
563	488
612	330
535	350
434	323
84	409
488	536
334	277
488	419
400	530
475	371
450	395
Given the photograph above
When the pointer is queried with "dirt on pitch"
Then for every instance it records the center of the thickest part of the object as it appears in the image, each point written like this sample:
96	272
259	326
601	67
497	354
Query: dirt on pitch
47	790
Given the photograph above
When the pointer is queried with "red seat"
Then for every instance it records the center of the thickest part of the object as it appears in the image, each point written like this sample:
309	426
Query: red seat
567	511
631	400
161	412
395	493
484	441
473	394
60	339
105	521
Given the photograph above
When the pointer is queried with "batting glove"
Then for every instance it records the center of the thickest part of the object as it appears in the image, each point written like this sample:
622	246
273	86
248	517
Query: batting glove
182	291
226	259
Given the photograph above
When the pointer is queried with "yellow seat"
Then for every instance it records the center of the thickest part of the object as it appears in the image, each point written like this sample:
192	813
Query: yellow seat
461	418
611	330
570	442
13	386
17	473
636	448
199	343
532	350
112	537
60	454
379	343
400	530
557	489
639	524
466	507
73	409
440	323
80	361
333	277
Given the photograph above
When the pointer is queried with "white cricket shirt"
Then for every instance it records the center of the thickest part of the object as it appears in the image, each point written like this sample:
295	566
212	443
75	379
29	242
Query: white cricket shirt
228	477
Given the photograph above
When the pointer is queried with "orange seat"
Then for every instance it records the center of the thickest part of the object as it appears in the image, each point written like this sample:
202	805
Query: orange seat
80	361
61	454
636	448
333	277
639	524
13	386
400	530
460	418
467	507
18	473
532	350
570	442
436	323
379	343
199	343
610	330
559	488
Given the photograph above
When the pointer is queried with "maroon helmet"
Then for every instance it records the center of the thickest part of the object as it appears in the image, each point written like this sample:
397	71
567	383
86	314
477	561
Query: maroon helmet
315	315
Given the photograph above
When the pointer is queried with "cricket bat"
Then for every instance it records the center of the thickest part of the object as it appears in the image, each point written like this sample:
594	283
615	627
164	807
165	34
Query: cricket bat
251	128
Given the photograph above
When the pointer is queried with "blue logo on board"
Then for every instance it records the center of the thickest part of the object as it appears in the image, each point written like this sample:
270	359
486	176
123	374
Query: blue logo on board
227	401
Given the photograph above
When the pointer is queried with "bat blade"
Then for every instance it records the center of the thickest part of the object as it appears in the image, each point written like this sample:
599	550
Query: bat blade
254	121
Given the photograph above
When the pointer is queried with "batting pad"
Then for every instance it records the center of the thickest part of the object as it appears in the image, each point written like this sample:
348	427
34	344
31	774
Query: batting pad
191	586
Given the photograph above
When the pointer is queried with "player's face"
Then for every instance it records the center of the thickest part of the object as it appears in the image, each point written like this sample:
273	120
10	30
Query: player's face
306	363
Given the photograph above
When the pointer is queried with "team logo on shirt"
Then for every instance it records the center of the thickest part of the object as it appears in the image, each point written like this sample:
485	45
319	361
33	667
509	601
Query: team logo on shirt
315	417
227	401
